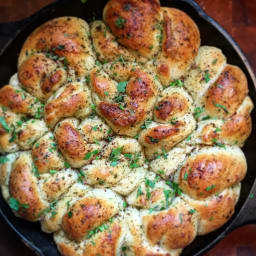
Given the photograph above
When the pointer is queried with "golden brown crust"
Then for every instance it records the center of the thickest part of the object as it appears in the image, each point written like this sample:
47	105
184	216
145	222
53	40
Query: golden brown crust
40	76
65	37
216	211
71	142
141	91
87	214
135	23
45	154
170	106
171	229
107	49
73	99
237	129
211	171
106	243
19	101
23	188
180	44
145	55
225	96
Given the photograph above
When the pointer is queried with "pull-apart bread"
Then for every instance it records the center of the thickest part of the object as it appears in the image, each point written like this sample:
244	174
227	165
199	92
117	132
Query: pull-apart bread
123	136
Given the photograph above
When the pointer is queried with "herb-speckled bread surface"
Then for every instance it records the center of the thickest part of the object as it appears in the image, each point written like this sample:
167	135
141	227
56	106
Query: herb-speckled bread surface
123	136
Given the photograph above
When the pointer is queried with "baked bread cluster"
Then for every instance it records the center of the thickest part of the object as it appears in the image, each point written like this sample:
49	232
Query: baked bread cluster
123	136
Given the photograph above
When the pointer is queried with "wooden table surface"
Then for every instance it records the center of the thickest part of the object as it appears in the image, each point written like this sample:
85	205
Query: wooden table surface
238	17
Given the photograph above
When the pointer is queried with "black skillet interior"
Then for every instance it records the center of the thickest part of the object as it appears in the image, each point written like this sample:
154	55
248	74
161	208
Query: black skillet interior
211	34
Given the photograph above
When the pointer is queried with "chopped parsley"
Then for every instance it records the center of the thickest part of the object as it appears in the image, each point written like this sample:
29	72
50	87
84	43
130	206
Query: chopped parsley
16	205
218	143
67	165
3	159
214	61
174	186
168	194
53	171
114	156
70	214
209	188
222	107
121	86
98	229
191	211
35	171
207	76
14	135
81	176
178	83
150	183
173	121
153	140
4	124
50	209
91	154
139	192
146	124
198	111
120	22
217	129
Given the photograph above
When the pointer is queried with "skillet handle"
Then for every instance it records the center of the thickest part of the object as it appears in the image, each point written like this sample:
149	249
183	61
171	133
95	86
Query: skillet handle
247	214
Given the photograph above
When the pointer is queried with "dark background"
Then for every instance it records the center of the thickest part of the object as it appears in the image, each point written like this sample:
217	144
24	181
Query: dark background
238	17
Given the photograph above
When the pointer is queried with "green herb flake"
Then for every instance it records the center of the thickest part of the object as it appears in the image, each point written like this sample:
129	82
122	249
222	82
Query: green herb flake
214	61
218	143
121	86
167	195
146	124
125	204
209	188
4	124
191	211
174	186
35	171
177	83
120	22
153	140
185	176
70	214
207	76
139	192
81	176
218	130
150	183
67	165
3	159
198	111
221	107
16	205
53	171
188	138
114	156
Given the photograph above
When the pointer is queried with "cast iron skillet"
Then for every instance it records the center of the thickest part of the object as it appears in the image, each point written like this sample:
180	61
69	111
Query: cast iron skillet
12	36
